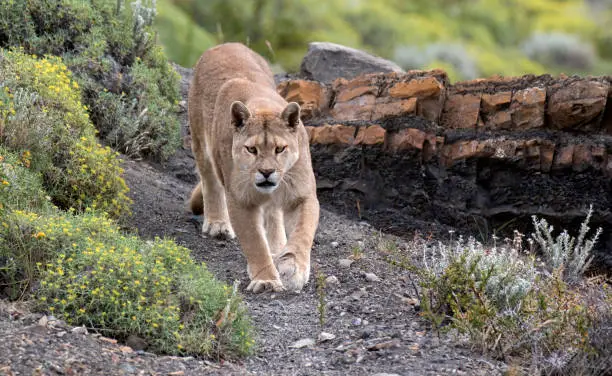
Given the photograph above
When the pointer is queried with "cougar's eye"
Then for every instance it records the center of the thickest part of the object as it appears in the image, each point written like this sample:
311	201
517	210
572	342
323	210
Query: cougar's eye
280	149
251	149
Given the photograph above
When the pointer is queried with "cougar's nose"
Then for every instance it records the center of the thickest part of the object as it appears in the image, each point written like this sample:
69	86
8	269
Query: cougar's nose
266	173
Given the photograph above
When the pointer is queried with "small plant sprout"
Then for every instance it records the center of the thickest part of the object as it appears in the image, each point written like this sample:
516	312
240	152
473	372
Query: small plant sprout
357	251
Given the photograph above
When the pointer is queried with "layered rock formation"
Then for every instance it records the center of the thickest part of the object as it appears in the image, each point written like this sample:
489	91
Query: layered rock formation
409	151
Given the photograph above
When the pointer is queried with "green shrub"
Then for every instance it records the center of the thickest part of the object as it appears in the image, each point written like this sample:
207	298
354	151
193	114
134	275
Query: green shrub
572	254
42	115
560	49
92	274
510	306
110	47
20	187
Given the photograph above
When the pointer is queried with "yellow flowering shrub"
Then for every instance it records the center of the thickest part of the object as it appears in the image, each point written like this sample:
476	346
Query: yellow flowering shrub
19	187
129	86
41	113
92	274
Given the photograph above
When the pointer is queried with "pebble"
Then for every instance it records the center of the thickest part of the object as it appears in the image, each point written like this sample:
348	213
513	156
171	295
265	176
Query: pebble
356	322
79	330
384	345
345	263
371	277
304	342
61	334
334	244
367	333
43	321
361	293
128	368
411	301
332	280
323	336
135	342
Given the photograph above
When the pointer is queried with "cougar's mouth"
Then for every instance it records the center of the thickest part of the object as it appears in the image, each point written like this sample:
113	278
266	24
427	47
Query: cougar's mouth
266	184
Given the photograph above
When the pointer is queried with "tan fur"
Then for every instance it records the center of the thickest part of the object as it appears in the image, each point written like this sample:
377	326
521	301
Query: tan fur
242	133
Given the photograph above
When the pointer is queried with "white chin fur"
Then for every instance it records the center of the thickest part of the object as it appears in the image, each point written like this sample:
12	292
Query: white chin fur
266	190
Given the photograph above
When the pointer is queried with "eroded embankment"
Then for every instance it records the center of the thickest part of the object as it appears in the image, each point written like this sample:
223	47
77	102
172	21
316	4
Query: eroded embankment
413	152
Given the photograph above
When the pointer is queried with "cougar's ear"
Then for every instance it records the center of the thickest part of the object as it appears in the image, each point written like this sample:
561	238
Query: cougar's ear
291	114
240	114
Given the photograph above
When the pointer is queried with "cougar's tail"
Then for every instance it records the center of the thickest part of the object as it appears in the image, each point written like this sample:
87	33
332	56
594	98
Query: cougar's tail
196	203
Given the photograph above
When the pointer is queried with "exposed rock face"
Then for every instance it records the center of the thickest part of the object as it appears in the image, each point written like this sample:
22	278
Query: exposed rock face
327	61
401	148
409	151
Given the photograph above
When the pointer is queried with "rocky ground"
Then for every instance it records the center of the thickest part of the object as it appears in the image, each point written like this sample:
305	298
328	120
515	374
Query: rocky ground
371	323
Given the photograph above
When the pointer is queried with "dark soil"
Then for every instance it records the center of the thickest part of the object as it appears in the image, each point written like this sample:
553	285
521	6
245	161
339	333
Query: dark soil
375	324
376	328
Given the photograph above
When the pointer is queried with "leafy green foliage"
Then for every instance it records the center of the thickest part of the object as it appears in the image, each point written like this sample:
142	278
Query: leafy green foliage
565	251
109	45
91	274
43	117
510	306
486	35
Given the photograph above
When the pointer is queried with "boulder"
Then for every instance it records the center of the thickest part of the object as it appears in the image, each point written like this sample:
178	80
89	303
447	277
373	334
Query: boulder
326	62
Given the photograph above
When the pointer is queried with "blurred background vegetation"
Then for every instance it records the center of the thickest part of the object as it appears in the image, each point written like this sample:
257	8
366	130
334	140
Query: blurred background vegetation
468	38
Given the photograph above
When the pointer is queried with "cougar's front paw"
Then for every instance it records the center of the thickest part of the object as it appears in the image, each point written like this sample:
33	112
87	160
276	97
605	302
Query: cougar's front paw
218	229
293	273
258	286
264	279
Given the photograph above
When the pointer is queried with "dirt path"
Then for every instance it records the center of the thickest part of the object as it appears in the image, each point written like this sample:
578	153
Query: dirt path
375	327
371	322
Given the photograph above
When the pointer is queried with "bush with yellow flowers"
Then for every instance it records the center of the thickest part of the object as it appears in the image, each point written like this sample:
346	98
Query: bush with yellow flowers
129	87
90	273
42	115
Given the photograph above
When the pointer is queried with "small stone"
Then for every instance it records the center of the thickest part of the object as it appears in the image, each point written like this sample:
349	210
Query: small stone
126	349
384	345
136	343
410	301
371	277
365	334
79	330
323	336
385	374
128	368
304	342
345	263
356	322
332	280
334	244
43	321
365	322
60	334
361	293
